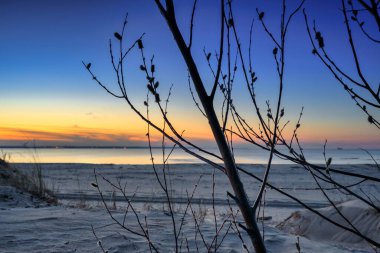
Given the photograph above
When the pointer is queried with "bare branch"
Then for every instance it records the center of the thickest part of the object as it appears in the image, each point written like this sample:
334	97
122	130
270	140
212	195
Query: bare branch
192	24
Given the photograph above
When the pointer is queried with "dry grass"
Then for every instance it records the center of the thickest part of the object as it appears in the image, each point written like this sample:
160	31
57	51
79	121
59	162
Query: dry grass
32	183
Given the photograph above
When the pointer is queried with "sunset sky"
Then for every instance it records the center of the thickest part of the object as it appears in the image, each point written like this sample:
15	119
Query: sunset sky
46	94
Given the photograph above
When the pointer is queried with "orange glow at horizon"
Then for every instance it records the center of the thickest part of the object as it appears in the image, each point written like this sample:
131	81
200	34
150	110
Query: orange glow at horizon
69	123
131	134
107	122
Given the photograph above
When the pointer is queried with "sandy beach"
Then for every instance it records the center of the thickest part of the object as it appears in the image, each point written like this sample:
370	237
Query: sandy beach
32	225
190	126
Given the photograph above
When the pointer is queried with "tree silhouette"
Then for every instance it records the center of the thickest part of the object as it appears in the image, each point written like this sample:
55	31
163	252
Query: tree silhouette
365	94
268	136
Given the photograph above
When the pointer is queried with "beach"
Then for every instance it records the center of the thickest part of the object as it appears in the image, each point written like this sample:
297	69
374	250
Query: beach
190	126
36	226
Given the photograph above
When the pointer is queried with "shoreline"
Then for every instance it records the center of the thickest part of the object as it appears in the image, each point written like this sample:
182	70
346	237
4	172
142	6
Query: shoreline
142	156
192	163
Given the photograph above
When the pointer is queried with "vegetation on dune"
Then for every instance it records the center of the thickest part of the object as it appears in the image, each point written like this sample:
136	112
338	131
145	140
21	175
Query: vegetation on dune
31	182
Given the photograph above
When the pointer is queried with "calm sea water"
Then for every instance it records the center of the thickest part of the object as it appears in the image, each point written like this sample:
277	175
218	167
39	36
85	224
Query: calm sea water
142	156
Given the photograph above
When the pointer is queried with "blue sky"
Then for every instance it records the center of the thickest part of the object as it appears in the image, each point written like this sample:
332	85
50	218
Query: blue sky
45	91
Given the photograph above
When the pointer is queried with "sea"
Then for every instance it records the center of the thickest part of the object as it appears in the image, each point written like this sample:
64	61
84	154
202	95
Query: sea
139	155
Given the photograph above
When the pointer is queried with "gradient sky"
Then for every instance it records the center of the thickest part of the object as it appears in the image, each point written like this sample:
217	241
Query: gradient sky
46	95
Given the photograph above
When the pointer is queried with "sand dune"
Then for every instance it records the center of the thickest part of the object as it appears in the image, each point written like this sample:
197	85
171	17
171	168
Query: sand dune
312	226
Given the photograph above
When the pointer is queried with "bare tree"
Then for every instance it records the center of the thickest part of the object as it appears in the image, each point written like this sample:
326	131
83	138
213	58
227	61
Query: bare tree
268	136
364	93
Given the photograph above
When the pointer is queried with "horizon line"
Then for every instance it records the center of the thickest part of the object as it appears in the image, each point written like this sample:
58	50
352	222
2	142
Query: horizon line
133	147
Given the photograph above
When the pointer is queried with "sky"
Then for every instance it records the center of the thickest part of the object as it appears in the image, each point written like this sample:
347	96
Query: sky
47	96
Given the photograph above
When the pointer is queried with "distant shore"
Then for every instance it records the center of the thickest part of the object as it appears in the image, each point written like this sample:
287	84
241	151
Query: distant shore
141	155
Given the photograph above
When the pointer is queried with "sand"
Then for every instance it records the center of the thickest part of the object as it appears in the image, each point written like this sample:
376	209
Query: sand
365	219
31	225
